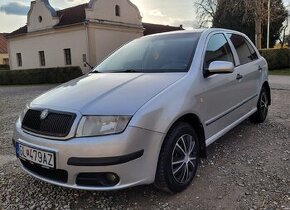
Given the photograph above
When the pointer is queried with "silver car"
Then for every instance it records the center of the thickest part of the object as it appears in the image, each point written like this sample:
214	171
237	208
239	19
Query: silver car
146	114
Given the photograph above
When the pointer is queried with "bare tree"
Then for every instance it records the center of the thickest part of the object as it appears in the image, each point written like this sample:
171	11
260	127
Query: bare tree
254	10
277	12
283	37
206	10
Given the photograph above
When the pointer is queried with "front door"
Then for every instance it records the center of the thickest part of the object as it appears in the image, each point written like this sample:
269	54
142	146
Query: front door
221	91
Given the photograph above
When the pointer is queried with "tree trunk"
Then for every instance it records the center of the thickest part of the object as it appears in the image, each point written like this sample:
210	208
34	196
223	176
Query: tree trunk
258	29
258	24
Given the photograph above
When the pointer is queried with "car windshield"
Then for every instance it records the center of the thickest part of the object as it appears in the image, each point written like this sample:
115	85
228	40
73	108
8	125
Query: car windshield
164	53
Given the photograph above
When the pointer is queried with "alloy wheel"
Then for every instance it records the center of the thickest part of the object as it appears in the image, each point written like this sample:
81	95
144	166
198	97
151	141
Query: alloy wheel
184	159
264	104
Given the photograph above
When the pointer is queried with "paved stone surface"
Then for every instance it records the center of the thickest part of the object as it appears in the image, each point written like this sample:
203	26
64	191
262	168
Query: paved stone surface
280	82
248	168
4	159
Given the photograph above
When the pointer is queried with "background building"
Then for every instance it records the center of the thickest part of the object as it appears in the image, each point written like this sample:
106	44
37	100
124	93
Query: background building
73	36
4	58
70	37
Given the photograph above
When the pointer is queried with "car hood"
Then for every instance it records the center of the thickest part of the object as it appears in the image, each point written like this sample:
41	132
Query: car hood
107	93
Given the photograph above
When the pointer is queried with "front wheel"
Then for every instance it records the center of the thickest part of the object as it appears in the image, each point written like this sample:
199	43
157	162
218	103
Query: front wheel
262	107
178	159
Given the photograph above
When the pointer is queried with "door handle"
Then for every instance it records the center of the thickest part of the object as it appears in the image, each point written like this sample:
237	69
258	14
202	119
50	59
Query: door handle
239	77
260	68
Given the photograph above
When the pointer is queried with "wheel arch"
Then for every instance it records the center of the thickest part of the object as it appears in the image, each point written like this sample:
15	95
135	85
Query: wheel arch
195	122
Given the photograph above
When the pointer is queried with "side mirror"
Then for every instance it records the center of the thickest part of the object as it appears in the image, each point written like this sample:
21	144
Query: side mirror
221	67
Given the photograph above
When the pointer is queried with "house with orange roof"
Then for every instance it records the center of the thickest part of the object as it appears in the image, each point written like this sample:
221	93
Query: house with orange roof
4	58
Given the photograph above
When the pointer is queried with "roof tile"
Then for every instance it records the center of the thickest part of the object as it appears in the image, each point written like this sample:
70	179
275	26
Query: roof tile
3	43
72	15
157	28
77	14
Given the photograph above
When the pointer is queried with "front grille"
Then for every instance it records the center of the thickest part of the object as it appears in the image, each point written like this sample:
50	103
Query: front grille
55	175
56	124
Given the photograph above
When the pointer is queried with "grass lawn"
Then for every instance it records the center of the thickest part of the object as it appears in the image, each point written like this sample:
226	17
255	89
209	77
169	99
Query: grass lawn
281	72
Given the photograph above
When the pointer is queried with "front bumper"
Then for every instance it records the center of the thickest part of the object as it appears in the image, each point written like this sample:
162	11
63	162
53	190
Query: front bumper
73	156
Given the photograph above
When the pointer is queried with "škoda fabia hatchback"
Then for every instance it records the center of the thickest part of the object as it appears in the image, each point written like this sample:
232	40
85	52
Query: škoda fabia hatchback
146	114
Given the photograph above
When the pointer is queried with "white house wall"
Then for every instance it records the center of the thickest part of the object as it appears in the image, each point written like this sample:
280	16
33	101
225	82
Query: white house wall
106	31
41	9
104	41
105	10
53	45
2	57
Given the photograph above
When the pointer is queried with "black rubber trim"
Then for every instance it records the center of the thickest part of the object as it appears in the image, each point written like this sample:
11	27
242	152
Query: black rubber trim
106	161
230	111
52	174
13	143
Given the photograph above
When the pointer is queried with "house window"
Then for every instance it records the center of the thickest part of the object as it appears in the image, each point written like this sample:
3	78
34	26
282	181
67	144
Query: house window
67	56
117	10
40	19
5	61
19	59
41	58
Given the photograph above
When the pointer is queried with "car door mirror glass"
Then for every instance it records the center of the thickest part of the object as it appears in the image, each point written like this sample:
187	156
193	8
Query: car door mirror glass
221	67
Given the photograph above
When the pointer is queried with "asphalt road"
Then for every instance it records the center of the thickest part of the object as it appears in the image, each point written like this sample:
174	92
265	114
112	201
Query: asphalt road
248	168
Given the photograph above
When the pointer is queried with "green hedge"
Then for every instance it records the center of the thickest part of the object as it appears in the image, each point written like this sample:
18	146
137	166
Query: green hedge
4	67
39	76
277	58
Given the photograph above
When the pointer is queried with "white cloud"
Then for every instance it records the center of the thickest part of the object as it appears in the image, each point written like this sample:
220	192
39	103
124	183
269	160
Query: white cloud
156	13
77	1
66	3
10	23
15	8
186	24
168	13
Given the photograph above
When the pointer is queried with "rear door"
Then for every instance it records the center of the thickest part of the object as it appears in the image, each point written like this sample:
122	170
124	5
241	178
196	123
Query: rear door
248	69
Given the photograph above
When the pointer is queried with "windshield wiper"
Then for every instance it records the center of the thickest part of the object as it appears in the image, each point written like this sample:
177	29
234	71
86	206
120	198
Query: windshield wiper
94	72
127	71
119	71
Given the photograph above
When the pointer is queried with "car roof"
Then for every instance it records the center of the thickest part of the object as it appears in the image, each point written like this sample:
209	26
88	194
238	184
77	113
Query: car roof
203	31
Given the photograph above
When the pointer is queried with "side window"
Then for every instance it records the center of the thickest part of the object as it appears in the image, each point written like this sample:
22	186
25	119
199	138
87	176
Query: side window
244	49
218	49
254	55
5	61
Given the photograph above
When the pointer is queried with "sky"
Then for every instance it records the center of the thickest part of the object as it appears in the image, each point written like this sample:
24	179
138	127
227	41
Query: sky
169	12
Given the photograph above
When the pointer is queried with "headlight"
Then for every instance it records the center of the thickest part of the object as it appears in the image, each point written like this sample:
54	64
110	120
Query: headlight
102	125
22	114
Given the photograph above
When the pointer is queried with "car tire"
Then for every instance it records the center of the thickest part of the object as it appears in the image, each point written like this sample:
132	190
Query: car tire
178	159
262	107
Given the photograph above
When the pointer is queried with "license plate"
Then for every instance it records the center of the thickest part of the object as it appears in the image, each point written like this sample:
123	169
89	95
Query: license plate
35	155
